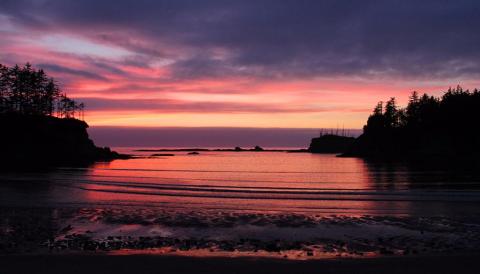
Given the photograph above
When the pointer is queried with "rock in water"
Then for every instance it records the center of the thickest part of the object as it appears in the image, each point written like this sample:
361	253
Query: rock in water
330	144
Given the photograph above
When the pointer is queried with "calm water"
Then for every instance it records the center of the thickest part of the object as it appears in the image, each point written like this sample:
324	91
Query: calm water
250	181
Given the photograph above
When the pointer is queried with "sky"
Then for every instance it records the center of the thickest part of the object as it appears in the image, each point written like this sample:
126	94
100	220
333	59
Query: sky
267	64
200	137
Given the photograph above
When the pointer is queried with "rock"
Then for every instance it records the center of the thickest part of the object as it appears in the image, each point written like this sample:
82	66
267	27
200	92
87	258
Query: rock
385	251
330	144
257	148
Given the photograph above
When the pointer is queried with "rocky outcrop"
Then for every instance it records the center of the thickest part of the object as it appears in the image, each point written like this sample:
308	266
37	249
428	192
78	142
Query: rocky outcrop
30	141
330	143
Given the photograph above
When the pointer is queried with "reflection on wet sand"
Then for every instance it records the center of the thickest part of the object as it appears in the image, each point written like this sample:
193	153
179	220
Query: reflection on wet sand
281	204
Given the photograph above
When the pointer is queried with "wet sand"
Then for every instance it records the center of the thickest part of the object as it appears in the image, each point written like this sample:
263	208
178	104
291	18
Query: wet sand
92	264
57	231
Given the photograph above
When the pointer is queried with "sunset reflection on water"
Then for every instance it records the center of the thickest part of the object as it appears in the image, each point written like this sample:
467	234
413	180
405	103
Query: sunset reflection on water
266	181
254	181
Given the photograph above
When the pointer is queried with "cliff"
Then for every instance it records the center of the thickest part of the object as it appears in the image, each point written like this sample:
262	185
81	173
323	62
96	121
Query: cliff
330	144
38	141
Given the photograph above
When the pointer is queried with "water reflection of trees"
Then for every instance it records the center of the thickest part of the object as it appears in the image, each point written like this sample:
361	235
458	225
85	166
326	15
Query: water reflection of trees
417	175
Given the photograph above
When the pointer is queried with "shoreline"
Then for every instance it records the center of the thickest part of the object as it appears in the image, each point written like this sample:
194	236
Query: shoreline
286	236
76	263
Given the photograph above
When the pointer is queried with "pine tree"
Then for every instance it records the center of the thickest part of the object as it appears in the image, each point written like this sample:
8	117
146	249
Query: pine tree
29	91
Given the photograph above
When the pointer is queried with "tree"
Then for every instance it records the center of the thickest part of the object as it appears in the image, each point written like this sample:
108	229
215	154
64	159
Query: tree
378	110
376	121
429	125
29	91
391	114
4	87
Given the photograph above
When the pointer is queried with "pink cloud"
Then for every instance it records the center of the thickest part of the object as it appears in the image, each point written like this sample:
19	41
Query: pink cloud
138	77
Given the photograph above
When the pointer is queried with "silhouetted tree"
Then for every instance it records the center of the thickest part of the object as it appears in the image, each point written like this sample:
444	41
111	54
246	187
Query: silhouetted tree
445	125
376	121
29	91
391	116
4	87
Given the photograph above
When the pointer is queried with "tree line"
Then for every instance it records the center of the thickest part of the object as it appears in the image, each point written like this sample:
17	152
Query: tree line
29	91
428	125
456	108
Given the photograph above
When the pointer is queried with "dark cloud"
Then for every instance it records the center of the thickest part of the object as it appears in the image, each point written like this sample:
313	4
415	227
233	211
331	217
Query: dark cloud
71	71
103	66
430	39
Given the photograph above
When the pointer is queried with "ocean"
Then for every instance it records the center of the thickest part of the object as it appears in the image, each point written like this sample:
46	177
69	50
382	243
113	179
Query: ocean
213	198
257	181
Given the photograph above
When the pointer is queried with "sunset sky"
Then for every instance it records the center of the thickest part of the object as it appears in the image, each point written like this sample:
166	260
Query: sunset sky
287	64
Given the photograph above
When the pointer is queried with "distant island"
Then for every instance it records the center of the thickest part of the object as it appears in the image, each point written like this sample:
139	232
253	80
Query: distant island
39	125
428	128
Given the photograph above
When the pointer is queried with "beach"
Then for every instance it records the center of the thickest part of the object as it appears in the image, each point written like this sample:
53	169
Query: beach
257	207
175	264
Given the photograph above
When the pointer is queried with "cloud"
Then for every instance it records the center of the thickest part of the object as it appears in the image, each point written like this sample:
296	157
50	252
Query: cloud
71	71
394	38
259	56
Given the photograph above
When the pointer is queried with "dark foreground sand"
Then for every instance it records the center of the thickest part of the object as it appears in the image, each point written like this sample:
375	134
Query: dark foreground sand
92	264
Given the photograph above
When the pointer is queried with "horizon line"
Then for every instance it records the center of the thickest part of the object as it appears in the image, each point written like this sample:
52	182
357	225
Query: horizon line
218	127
